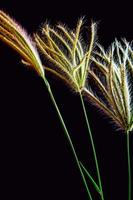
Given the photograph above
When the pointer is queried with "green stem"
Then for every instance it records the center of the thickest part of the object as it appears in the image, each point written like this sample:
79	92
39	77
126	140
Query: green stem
93	146
91	179
68	137
129	166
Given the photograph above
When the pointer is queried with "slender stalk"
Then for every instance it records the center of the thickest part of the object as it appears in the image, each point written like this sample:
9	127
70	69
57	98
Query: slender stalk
129	166
93	146
91	178
68	137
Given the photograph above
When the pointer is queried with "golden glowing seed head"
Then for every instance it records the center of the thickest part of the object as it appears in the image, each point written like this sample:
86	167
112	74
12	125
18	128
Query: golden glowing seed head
16	37
68	58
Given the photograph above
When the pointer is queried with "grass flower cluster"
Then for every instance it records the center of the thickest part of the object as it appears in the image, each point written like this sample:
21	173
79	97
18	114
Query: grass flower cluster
68	57
16	37
105	78
112	75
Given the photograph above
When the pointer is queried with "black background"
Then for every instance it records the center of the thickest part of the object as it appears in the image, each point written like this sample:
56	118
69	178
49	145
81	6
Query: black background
35	157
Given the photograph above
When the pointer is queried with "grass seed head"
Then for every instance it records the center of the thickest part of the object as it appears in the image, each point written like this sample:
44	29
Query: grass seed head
112	76
66	54
16	37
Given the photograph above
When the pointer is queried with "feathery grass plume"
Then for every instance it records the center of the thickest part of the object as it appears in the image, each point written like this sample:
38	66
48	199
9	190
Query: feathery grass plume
67	55
12	34
16	37
70	61
112	88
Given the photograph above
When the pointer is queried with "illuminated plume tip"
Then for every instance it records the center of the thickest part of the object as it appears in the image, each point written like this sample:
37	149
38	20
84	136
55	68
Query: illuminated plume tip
16	37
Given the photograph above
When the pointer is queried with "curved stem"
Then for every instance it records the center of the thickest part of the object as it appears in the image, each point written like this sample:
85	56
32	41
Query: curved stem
93	146
68	137
129	166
